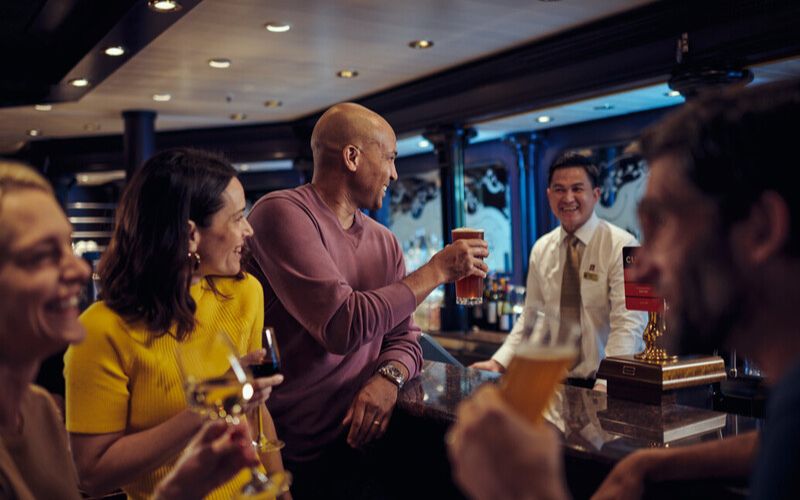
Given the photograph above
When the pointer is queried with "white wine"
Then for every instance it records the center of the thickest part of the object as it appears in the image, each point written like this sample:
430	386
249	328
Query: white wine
221	397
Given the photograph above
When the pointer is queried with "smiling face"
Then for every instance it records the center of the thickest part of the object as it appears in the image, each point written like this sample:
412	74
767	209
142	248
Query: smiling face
220	244
572	197
40	278
376	168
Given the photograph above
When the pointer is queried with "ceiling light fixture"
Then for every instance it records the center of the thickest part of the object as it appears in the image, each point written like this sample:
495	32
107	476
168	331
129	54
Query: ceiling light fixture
237	117
276	27
161	97
424	143
115	51
273	103
420	44
164	5
604	107
544	119
219	63
347	73
79	82
672	93
43	107
34	132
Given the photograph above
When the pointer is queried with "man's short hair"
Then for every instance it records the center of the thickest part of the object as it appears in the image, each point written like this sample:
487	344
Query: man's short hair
572	160
734	146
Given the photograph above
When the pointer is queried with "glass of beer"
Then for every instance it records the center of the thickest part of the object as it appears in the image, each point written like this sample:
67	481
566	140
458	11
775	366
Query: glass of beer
469	290
540	363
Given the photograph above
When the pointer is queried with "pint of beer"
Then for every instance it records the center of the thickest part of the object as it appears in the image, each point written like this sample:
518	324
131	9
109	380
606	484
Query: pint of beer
533	375
540	363
469	290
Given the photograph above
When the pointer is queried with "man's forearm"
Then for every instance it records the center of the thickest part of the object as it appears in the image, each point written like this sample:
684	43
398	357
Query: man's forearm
423	281
732	457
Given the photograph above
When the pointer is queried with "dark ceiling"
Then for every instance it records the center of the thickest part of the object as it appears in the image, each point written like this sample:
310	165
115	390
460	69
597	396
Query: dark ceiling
43	42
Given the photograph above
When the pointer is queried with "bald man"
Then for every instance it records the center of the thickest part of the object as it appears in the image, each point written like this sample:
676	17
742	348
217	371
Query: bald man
336	290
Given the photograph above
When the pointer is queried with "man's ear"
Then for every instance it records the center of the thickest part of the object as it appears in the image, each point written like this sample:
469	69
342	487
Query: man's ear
194	236
350	156
765	232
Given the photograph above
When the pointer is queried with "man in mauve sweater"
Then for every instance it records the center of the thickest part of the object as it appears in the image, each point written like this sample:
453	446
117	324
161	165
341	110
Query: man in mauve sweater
336	291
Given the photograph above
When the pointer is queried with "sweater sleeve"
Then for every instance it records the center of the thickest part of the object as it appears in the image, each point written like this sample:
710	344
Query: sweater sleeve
97	392
401	344
290	252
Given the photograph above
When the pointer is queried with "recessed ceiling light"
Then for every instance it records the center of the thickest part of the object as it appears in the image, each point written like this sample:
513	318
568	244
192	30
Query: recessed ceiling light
544	119
34	132
276	27
164	5
219	63
424	143
79	82
273	103
237	117
421	44
243	167
43	107
672	93
91	127
604	107
347	73
115	51
161	97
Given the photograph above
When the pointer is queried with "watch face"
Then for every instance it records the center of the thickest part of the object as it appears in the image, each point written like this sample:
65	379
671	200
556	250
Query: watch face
393	373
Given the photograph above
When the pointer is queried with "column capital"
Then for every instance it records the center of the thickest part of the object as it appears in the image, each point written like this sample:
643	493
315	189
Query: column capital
444	135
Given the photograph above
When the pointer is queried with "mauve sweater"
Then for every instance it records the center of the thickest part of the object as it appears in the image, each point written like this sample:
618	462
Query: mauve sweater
338	307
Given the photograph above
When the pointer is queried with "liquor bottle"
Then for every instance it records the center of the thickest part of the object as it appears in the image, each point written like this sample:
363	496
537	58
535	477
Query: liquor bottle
494	299
506	311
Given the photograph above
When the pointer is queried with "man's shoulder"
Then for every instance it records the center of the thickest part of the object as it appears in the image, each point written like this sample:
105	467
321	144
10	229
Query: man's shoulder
298	195
615	234
547	240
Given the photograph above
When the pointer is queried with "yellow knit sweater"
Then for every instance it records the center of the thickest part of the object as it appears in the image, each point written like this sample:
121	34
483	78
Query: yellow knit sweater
123	378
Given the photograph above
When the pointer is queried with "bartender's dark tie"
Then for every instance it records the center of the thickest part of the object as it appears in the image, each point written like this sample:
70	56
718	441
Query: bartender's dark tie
571	289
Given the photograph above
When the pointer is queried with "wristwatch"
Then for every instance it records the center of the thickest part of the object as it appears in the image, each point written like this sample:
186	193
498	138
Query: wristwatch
393	374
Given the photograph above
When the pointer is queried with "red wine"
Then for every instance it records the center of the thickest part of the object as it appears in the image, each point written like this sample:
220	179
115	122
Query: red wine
267	369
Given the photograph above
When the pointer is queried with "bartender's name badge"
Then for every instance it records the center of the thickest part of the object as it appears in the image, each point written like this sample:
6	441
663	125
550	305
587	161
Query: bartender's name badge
591	276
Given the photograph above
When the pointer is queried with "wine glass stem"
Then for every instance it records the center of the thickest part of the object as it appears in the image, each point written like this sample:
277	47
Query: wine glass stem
261	437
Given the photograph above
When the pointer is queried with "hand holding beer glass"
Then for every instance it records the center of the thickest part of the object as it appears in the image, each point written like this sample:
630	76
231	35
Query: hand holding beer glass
540	363
469	290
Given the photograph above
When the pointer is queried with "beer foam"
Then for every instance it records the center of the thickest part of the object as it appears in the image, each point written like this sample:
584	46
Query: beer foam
546	352
467	230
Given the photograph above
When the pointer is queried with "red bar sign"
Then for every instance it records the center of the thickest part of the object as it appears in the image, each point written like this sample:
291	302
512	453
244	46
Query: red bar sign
639	296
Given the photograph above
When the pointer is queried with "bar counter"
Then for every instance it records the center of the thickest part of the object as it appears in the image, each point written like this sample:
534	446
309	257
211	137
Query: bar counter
597	432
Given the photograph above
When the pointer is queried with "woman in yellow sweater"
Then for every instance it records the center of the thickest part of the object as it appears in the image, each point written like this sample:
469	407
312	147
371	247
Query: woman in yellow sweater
40	281
170	276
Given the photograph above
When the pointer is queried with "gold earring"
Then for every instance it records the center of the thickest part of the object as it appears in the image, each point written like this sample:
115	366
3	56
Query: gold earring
194	258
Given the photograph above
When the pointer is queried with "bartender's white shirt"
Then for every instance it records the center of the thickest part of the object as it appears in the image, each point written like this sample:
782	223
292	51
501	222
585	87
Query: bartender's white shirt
607	327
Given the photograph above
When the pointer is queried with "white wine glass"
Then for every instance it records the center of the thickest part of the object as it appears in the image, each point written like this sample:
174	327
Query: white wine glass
218	387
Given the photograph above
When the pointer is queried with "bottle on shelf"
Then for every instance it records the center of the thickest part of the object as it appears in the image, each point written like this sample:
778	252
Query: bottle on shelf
491	309
506	310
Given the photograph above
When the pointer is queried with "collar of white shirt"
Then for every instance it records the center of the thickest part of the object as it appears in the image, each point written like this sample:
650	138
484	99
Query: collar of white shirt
585	232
